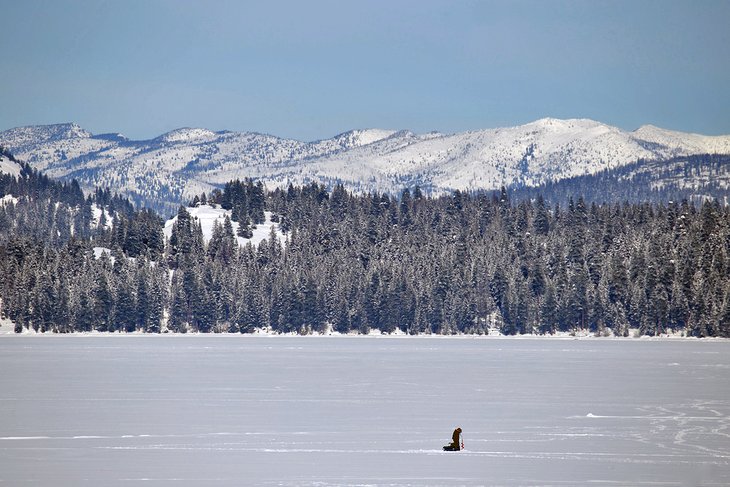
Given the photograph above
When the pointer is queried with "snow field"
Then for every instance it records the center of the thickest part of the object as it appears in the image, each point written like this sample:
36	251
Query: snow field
207	410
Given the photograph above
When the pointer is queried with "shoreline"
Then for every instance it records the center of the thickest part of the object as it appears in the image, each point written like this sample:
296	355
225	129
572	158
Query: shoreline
7	331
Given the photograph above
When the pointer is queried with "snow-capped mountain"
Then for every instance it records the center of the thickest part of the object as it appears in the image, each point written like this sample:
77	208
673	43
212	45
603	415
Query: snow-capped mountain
173	167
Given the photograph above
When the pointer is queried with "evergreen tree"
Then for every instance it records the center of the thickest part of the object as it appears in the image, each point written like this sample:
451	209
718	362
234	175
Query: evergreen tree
103	302
447	264
179	312
125	306
549	311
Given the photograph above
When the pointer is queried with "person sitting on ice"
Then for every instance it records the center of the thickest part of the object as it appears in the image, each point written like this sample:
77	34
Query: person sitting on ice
455	444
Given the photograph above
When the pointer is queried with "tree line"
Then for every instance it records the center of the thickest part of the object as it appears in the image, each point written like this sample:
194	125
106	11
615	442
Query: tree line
462	263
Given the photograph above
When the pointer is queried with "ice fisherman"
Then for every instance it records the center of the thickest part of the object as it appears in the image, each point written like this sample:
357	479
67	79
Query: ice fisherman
455	445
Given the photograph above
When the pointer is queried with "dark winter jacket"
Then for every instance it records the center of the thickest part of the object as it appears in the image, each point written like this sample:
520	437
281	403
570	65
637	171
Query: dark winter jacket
455	438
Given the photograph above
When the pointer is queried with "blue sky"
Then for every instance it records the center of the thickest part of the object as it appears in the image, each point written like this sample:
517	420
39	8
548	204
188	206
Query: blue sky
310	70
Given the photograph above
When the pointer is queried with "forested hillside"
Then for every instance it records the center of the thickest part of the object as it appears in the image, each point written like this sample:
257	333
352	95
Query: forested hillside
464	263
696	178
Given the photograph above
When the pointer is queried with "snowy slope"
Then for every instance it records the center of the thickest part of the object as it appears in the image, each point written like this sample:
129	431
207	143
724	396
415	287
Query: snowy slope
529	154
8	162
682	144
175	166
9	167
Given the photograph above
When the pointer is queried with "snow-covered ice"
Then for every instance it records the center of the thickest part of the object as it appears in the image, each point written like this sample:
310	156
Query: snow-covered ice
242	410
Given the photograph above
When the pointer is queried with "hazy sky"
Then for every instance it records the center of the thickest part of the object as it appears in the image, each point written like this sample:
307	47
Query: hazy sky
312	69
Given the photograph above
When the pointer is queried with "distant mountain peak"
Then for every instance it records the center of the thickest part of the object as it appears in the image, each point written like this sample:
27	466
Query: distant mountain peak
551	121
360	137
35	134
186	134
68	130
566	123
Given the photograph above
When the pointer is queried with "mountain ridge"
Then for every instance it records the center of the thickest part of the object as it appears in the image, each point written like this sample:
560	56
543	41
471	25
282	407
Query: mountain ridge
173	167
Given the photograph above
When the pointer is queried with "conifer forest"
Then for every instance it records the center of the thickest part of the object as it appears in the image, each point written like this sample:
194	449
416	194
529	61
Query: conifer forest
460	263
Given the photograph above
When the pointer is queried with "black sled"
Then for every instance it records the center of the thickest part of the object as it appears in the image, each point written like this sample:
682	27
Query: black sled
451	448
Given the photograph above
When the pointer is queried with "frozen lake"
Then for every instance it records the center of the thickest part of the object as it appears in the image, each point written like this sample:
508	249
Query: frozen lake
237	410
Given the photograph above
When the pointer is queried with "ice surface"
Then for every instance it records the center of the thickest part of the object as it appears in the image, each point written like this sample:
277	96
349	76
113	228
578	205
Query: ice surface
242	410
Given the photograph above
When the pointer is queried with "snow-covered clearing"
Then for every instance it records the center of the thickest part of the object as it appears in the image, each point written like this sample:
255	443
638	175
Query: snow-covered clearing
247	410
208	215
97	212
8	199
99	251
